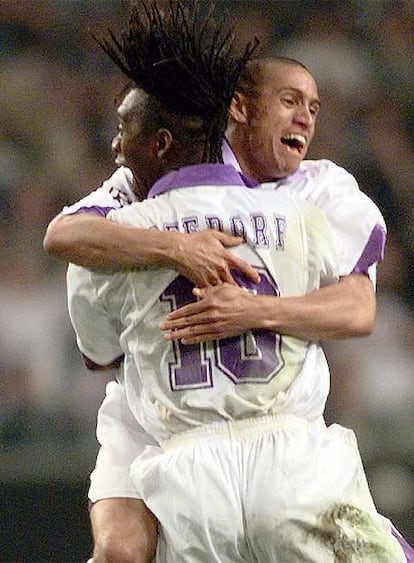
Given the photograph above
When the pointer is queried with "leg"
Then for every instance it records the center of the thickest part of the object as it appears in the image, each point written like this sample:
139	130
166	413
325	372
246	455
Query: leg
124	531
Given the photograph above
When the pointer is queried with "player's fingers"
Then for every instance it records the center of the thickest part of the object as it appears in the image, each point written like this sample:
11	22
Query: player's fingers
199	334
206	279
228	240
221	274
175	335
245	268
199	292
226	276
183	322
187	311
189	334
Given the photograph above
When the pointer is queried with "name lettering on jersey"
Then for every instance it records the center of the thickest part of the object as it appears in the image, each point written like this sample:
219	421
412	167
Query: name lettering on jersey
214	223
237	227
190	225
171	227
257	229
280	224
120	197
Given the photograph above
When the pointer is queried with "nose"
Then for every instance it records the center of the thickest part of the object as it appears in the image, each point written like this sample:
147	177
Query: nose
116	144
303	115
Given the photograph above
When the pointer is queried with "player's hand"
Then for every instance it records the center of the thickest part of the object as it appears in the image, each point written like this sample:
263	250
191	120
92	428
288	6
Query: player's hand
203	258
222	311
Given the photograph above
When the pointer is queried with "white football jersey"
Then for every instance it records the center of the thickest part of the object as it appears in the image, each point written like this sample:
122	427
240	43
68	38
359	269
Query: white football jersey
357	223
358	226
171	387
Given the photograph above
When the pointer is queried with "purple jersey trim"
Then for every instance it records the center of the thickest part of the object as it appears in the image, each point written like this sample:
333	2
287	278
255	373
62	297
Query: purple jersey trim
406	547
94	209
373	251
199	175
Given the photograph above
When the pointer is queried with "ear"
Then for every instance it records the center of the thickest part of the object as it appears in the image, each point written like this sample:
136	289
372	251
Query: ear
238	108
164	141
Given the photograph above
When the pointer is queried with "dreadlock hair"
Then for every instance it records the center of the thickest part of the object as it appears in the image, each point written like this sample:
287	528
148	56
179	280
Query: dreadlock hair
185	60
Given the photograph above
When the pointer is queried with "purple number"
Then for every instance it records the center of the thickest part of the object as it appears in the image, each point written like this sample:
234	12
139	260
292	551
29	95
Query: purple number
253	357
191	369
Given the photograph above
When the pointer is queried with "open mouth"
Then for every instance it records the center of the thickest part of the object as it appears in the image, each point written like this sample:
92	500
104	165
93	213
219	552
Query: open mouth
294	141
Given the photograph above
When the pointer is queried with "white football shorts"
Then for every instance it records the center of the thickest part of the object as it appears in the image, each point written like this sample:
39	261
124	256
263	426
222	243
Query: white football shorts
274	489
121	440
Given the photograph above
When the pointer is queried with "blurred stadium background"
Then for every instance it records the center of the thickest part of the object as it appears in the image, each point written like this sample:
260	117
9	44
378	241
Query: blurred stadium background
57	120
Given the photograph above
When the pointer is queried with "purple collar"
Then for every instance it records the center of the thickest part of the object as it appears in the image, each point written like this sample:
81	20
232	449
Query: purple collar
215	174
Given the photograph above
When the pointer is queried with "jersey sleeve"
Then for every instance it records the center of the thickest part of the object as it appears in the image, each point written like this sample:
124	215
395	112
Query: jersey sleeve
116	192
358	226
97	333
121	439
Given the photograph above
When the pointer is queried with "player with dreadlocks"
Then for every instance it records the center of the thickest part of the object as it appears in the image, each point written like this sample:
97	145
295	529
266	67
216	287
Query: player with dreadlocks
229	476
186	65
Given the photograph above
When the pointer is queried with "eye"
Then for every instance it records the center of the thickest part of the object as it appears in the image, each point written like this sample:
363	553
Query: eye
288	101
314	110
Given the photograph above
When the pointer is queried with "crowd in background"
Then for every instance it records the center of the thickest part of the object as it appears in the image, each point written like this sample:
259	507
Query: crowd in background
57	119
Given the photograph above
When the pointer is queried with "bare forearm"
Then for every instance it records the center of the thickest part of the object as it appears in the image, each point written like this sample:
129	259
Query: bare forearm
97	243
338	311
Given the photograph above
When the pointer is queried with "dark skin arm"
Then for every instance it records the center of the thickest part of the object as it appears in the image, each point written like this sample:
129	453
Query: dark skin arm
338	311
95	242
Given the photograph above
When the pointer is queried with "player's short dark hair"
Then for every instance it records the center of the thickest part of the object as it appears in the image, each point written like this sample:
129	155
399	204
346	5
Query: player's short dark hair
254	72
185	59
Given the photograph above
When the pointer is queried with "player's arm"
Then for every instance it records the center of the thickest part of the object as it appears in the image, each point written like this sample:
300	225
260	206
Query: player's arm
92	241
343	310
336	311
89	240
